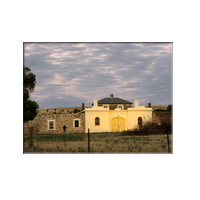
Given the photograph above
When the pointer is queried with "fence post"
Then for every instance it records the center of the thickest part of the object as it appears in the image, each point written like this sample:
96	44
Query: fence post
168	140
88	140
31	139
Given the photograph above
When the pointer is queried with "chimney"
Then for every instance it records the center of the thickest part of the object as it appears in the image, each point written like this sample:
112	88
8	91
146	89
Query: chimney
83	106
95	103
149	105
136	103
111	96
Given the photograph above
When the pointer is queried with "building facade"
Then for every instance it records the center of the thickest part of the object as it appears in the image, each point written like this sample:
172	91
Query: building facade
115	115
106	115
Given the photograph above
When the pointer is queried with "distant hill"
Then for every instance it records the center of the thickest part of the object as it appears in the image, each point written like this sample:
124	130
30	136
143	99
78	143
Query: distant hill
159	107
70	109
58	110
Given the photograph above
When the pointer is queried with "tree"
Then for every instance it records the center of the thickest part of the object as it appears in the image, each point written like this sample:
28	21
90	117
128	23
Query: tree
30	107
28	82
30	110
169	108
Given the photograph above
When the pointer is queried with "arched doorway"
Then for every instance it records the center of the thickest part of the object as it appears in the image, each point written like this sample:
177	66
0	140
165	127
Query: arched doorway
118	124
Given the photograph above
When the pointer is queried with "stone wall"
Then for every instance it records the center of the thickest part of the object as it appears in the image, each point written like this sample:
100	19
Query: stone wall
157	117
40	124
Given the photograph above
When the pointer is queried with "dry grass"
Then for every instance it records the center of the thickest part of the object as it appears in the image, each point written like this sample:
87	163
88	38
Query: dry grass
58	110
104	143
159	107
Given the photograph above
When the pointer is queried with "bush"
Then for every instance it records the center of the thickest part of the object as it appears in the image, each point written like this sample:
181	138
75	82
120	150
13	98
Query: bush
76	110
151	128
169	107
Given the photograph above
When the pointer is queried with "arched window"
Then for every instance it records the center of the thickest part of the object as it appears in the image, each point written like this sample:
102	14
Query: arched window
139	121
97	121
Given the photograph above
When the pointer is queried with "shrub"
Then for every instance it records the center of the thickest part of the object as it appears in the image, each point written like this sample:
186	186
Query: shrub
169	107
76	110
151	128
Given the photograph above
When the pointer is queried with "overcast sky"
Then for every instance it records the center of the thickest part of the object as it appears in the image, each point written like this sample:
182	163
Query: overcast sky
78	73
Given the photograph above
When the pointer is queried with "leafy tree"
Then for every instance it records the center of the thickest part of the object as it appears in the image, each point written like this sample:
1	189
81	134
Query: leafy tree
169	107
28	82
30	107
30	110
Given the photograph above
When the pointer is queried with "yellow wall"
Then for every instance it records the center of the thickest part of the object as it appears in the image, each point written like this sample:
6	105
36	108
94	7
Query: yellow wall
130	116
90	120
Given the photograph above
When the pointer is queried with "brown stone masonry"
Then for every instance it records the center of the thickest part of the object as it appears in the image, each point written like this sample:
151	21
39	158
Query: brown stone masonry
158	117
41	124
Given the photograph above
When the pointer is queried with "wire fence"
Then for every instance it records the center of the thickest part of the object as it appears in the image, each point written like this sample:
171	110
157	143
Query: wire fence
99	142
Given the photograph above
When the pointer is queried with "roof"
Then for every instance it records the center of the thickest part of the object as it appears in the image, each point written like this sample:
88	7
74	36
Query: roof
113	100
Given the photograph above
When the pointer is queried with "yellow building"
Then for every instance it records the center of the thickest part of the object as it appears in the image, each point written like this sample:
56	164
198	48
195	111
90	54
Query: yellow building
115	114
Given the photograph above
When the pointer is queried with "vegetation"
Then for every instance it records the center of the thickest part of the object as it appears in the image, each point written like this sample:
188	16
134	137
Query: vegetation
100	143
30	110
30	107
169	109
29	81
161	110
76	110
152	128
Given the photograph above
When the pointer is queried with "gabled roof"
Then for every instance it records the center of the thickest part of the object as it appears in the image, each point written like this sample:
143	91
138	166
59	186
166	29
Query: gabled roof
113	100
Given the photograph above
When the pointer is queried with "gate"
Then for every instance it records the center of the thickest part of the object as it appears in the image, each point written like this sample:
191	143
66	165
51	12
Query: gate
118	124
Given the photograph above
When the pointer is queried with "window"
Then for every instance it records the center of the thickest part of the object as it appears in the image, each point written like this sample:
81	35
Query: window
120	106
105	106
139	121
51	124
97	121
76	123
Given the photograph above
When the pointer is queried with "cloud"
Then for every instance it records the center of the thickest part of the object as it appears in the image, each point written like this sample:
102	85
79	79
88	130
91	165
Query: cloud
88	71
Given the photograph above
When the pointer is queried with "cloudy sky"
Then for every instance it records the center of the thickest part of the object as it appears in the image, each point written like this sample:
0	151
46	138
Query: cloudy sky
78	73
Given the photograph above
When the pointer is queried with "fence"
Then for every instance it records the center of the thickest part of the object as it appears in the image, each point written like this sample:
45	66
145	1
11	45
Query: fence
99	142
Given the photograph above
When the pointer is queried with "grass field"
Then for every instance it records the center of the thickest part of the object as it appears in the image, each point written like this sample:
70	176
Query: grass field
100	143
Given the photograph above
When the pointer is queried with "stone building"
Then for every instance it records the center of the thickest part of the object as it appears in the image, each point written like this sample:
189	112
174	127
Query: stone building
54	123
115	114
106	115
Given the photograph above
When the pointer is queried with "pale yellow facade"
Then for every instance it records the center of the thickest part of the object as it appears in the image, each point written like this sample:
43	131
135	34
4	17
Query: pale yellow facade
115	120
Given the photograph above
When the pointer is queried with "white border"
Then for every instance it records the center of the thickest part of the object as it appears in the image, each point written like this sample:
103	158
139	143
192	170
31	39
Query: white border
74	123
54	124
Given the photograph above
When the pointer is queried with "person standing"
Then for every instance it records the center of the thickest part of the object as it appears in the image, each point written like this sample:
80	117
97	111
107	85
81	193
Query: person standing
64	128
